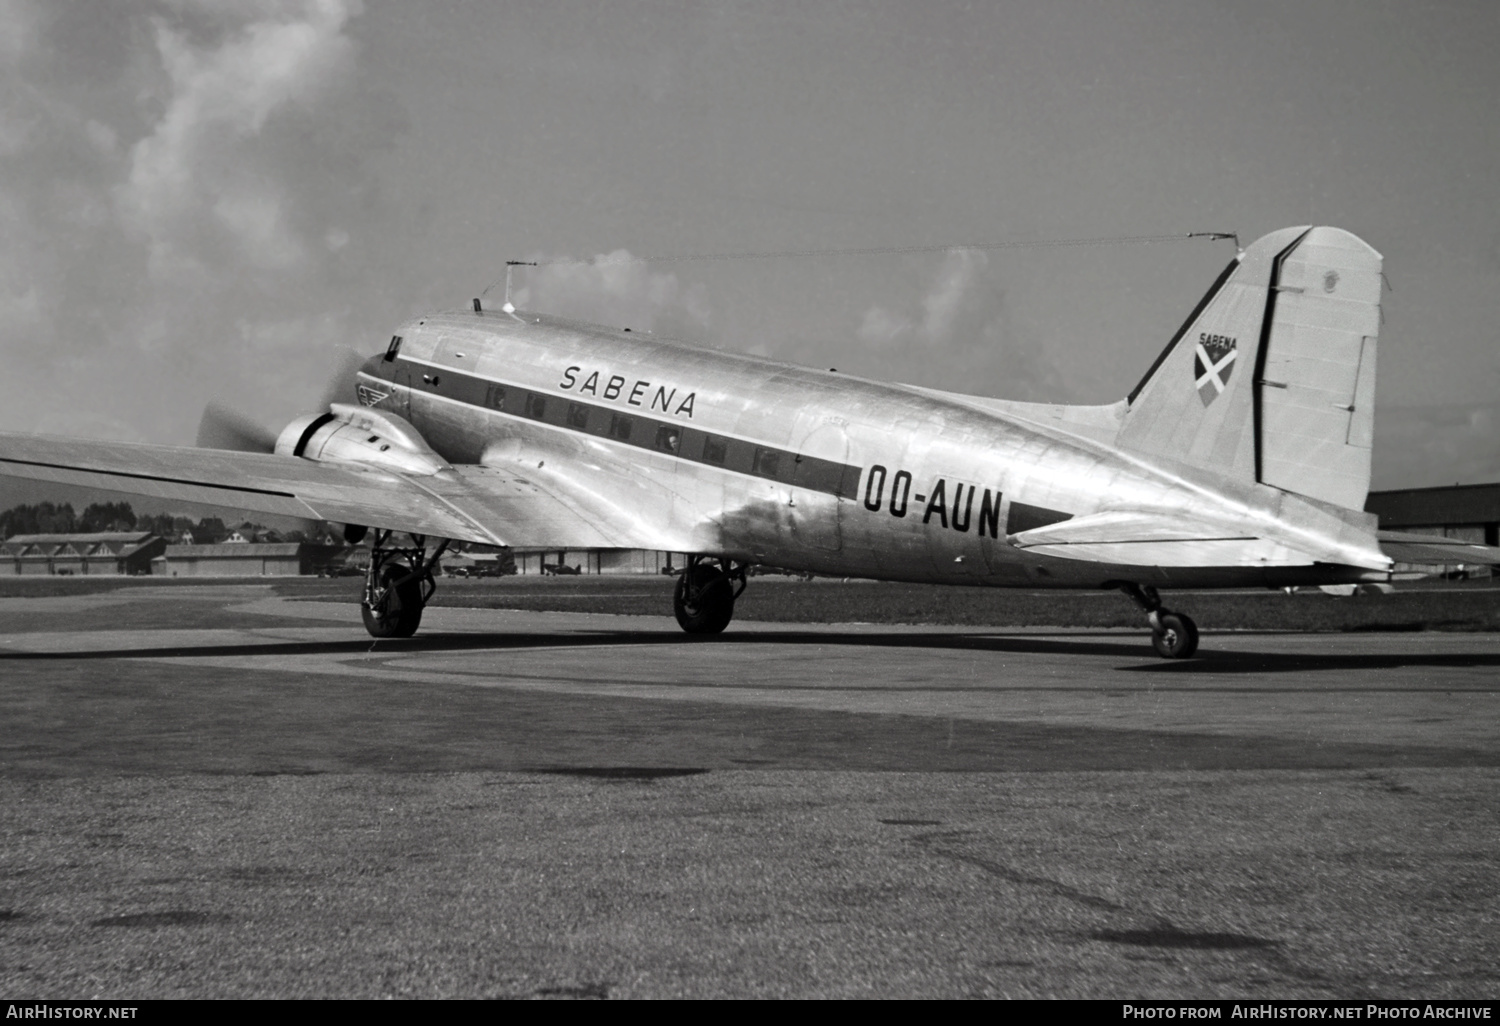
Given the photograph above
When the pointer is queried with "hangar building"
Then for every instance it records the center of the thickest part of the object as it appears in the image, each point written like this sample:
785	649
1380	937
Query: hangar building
244	559
1469	512
598	561
105	552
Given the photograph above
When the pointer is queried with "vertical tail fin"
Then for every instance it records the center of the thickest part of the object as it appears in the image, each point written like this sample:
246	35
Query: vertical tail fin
1272	377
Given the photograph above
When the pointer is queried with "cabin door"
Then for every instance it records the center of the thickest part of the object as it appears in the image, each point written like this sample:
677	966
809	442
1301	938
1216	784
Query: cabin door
818	484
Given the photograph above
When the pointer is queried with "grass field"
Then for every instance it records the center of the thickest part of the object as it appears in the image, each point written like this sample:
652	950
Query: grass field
1468	606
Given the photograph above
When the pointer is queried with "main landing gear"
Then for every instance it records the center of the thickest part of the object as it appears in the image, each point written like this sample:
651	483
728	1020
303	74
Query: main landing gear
1173	635
705	594
398	586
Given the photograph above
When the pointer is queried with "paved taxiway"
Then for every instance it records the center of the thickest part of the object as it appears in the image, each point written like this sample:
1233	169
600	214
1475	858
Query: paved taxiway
213	791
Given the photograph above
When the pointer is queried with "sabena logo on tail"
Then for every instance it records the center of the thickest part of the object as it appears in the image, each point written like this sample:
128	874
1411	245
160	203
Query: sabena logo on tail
1213	364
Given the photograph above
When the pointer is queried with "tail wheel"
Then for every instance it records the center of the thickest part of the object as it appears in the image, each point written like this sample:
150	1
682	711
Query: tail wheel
704	600
397	610
1177	638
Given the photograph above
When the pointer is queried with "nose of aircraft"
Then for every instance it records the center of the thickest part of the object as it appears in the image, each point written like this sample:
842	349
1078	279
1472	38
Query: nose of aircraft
377	367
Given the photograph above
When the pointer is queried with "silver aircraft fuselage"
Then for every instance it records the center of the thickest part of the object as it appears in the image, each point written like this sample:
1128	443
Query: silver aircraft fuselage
1243	458
764	462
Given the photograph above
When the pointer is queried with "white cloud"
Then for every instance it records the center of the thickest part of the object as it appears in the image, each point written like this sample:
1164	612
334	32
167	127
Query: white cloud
19	28
19	25
881	328
20	309
617	290
197	175
102	136
176	213
951	295
20	300
257	217
957	332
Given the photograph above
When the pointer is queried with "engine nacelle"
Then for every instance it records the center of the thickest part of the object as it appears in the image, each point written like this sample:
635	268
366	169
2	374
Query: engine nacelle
354	434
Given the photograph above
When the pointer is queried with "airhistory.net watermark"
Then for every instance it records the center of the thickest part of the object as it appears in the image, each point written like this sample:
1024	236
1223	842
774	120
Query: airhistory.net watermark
1309	1010
58	1010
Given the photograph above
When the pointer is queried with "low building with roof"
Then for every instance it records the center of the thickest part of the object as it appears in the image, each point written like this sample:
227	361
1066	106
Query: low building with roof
1468	512
597	561
101	552
245	559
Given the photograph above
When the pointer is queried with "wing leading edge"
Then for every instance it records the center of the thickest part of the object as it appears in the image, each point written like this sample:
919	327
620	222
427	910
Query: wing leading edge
492	506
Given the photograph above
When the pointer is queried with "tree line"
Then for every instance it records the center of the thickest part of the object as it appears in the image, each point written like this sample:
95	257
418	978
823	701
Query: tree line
54	518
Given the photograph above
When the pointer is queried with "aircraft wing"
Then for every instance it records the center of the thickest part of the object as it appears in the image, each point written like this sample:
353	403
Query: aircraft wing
1140	538
494	506
1429	548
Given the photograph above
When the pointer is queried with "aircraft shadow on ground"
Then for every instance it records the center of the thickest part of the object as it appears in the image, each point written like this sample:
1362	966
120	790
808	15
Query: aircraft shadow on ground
1211	663
1208	662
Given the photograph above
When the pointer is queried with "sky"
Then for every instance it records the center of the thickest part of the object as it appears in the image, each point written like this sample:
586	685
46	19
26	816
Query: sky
216	199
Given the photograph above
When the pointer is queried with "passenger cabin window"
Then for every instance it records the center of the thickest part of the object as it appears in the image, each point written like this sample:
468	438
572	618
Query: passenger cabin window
578	415
713	450
766	462
667	438
494	397
619	427
392	349
536	406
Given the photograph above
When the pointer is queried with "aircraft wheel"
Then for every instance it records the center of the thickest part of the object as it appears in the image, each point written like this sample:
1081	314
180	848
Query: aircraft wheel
400	613
1178	637
704	605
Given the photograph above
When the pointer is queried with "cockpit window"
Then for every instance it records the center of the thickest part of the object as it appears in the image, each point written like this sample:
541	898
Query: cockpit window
392	349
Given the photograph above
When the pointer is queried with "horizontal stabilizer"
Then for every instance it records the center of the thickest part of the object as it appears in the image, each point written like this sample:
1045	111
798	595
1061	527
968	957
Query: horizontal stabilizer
1435	549
1133	538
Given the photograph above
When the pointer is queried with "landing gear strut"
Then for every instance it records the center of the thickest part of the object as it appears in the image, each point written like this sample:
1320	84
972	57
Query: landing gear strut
398	586
705	594
1173	635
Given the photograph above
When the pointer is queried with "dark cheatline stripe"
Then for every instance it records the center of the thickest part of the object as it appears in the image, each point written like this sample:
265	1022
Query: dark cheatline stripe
622	425
1028	518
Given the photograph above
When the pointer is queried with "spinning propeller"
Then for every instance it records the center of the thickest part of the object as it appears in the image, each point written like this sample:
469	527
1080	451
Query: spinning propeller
224	427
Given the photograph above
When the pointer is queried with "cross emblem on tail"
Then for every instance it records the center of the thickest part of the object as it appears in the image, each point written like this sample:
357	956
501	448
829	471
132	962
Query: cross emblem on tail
1212	365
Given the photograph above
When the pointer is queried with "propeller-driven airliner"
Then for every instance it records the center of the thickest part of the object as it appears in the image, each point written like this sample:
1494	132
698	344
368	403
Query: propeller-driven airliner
1241	459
